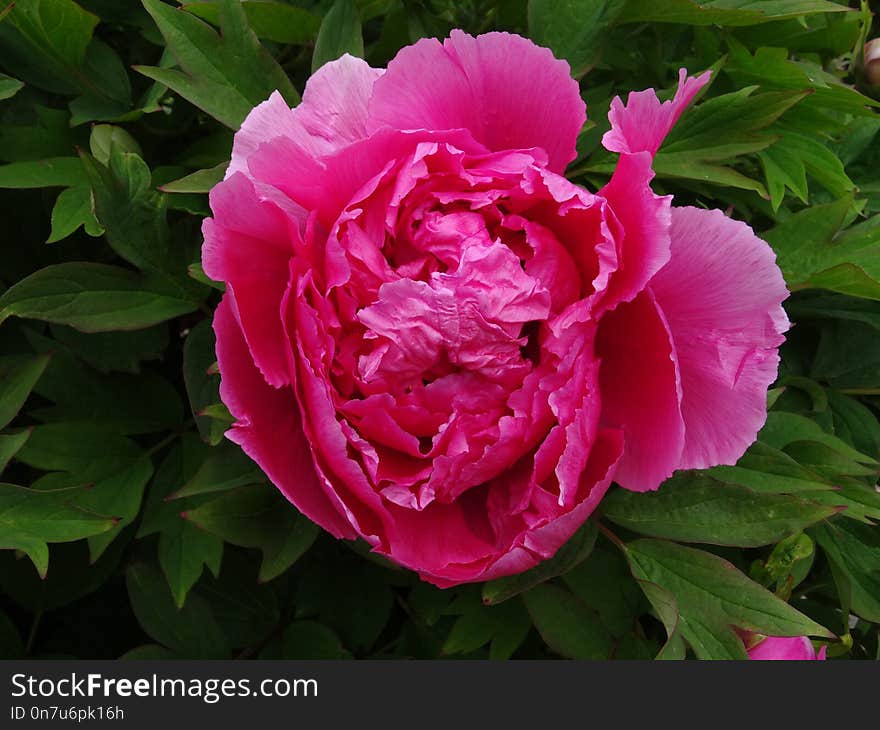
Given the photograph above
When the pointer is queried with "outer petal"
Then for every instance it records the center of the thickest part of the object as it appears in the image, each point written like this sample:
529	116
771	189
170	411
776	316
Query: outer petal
721	293
644	122
268	427
507	91
644	218
794	648
640	392
332	115
248	244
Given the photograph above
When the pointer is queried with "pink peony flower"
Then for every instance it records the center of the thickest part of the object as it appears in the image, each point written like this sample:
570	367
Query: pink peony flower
795	648
434	341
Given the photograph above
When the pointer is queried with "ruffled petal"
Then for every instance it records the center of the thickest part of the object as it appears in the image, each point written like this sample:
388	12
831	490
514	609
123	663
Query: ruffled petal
332	115
640	392
507	91
268	428
643	220
722	295
642	125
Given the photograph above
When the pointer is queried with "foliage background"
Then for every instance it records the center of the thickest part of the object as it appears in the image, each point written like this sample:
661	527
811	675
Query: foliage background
135	530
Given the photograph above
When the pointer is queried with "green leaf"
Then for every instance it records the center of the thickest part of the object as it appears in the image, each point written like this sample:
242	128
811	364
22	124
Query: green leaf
574	30
306	640
18	377
713	596
107	137
504	626
604	583
567	625
340	33
226	467
29	519
225	75
124	403
133	215
183	553
200	181
274	21
854	549
783	429
678	166
10	444
9	86
72	209
666	609
695	508
53	172
191	632
571	554
95	298
258	516
765	469
80	453
202	386
731	13
59	29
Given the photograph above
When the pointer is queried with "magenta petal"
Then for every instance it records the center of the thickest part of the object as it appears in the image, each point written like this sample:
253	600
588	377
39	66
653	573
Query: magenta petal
332	115
721	293
642	125
785	648
508	92
644	218
641	392
268	418
247	245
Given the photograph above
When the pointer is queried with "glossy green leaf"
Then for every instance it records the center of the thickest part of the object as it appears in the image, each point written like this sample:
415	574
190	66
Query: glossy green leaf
226	467
223	74
17	378
9	86
731	13
713	596
200	181
855	550
340	33
258	516
29	519
56	28
95	298
694	508
72	209
566	624
10	444
575	30
53	172
183	553
274	21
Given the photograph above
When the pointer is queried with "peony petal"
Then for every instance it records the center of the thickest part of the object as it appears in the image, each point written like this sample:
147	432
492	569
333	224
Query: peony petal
784	648
640	392
248	244
508	92
721	293
642	125
268	427
644	220
332	115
